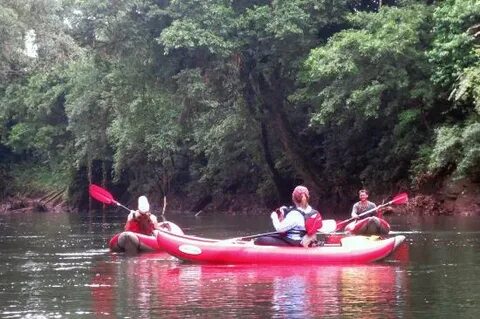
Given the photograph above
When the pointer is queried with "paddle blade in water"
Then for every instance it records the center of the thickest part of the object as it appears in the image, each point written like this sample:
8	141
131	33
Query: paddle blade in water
101	194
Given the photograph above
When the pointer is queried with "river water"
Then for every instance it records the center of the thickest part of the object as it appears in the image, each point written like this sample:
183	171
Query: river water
58	266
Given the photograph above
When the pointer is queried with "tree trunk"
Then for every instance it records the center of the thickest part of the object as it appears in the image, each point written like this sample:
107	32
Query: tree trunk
250	97
104	174
272	94
282	184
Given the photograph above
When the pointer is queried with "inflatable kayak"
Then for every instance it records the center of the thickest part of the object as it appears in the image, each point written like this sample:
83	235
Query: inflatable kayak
353	249
368	226
134	243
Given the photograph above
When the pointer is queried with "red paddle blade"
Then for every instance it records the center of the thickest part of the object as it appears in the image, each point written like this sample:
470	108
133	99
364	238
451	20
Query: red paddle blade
101	194
400	199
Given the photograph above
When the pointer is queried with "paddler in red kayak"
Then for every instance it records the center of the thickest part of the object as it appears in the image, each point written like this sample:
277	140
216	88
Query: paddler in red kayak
291	222
363	205
371	225
141	220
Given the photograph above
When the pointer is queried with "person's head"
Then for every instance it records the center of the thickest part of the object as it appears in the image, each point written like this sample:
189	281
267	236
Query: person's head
363	194
300	195
143	205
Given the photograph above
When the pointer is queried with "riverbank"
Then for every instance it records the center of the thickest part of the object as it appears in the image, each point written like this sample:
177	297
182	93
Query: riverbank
457	201
451	197
460	198
50	202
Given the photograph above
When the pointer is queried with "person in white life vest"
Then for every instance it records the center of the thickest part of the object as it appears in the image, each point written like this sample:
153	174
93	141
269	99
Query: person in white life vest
290	221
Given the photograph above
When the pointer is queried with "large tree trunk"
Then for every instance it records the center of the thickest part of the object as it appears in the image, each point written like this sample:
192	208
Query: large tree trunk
273	97
282	184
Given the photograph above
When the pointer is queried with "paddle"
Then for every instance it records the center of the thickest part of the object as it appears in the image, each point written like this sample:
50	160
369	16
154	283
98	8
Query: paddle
103	196
399	199
328	226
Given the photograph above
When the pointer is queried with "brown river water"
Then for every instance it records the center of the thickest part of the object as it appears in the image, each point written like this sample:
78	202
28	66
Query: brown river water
58	266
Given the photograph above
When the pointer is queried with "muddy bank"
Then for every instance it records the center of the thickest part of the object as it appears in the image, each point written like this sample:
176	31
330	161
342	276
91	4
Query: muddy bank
51	202
451	197
460	198
451	203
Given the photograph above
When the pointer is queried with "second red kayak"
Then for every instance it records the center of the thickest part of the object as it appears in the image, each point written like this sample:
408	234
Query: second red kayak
368	226
133	243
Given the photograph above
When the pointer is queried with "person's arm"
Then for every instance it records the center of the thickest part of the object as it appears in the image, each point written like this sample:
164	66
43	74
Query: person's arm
372	205
281	212
289	222
154	219
131	215
354	211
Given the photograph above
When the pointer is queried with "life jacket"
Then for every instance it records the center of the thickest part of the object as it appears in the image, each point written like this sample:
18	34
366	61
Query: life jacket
142	225
313	220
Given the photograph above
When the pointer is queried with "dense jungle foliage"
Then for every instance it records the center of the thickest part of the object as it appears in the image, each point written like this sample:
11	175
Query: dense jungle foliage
210	98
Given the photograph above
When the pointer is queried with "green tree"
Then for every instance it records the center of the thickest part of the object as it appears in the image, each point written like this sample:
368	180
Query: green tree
369	88
260	43
455	57
120	104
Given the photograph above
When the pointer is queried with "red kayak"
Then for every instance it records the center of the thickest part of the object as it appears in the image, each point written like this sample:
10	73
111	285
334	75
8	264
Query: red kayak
353	249
368	226
134	243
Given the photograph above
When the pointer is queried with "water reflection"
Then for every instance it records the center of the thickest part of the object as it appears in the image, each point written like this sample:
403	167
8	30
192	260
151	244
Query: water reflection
157	285
59	266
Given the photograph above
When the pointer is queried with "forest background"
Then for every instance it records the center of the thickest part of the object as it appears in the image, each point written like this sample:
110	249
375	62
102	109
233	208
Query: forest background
226	105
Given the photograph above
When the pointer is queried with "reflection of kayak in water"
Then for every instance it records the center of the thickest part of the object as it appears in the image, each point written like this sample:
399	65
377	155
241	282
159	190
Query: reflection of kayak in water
373	291
165	289
368	226
353	249
133	243
283	291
